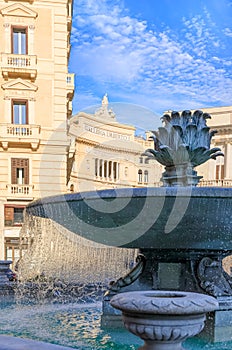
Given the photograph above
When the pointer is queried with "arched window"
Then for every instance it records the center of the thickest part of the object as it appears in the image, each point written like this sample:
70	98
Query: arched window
145	176
140	176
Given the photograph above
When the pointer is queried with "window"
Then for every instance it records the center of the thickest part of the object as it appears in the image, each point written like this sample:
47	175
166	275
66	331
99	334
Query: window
19	40
13	215
219	171
20	171
145	176
19	112
140	176
96	167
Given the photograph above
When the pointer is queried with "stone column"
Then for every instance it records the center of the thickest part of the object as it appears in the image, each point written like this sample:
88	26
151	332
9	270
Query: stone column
117	171
107	170
31	39
112	171
7	38
103	168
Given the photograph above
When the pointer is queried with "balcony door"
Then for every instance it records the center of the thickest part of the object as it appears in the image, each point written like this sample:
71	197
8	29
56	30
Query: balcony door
19	115
19	41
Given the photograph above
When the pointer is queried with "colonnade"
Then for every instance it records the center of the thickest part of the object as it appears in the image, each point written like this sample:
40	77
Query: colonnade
107	169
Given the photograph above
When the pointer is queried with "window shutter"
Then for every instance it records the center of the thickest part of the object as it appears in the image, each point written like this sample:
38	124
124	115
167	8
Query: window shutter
26	171
13	171
8	216
19	163
222	172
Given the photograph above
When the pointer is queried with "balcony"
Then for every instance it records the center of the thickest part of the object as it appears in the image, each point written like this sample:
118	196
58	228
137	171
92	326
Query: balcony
18	65
215	183
70	85
20	191
20	133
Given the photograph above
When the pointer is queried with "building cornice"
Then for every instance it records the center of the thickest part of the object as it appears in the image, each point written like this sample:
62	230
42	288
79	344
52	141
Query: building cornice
107	146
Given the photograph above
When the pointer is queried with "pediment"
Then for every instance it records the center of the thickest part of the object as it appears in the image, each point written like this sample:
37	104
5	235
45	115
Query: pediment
18	10
19	84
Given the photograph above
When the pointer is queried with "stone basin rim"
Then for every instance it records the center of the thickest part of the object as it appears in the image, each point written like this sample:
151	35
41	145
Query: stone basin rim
146	302
193	192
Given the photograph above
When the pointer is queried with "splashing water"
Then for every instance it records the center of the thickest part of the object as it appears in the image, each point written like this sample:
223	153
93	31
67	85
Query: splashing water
62	266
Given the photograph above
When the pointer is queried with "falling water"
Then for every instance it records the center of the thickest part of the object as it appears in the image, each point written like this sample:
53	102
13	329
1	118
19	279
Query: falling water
59	263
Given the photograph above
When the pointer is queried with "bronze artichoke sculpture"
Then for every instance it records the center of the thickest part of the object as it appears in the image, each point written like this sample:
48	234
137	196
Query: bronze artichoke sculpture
181	144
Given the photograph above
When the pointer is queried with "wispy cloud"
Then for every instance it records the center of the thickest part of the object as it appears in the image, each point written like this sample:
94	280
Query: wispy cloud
228	32
158	68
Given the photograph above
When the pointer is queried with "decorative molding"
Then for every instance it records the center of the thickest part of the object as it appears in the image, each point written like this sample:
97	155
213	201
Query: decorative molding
5	145
213	279
130	277
19	84
18	10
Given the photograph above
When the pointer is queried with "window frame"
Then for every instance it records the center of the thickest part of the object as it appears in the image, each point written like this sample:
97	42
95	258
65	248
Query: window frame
20	102
9	215
145	175
20	28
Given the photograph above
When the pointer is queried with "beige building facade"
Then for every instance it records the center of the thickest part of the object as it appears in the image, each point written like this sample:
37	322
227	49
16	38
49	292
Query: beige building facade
107	154
36	92
219	172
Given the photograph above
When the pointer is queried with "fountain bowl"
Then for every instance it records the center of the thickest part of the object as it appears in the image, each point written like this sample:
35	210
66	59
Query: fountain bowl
191	218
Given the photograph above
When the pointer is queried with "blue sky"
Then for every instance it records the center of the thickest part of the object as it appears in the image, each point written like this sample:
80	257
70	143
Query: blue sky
151	56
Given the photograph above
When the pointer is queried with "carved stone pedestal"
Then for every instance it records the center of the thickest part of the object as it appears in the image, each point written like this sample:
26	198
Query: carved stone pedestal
163	319
189	271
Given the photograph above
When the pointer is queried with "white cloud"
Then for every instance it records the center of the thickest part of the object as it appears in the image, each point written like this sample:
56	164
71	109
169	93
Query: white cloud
138	64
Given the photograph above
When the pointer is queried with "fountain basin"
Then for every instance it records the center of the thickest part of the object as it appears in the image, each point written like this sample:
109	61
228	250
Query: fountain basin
154	218
183	234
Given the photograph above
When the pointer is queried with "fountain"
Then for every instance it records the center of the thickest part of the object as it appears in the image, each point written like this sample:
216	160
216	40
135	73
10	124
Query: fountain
183	232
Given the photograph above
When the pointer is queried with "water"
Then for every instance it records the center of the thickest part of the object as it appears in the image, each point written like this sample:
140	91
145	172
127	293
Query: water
58	273
74	325
77	326
57	253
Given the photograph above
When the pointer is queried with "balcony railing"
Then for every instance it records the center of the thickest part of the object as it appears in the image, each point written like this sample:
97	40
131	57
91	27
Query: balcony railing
215	183
70	84
19	64
16	190
23	133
